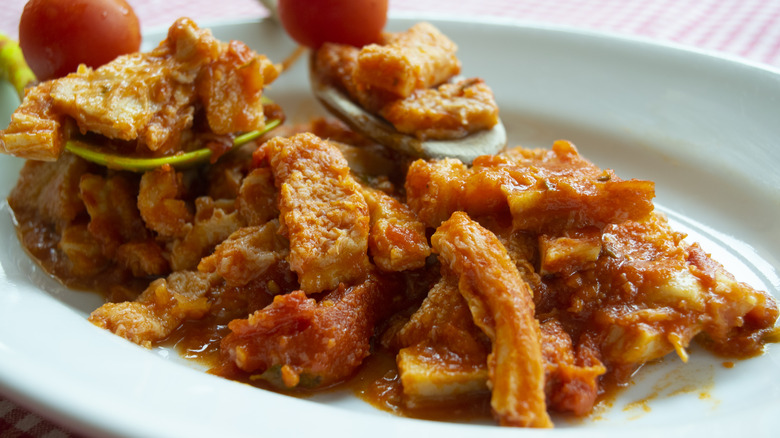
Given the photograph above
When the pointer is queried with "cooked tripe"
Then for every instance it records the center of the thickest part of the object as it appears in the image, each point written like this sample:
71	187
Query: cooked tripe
502	306
151	99
538	189
550	277
322	211
320	232
613	285
420	57
410	80
299	341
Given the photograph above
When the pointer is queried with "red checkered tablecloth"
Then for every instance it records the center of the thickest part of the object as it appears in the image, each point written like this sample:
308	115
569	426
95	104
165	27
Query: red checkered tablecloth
747	29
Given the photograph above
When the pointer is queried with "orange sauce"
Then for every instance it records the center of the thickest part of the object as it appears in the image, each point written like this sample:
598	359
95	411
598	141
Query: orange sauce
378	384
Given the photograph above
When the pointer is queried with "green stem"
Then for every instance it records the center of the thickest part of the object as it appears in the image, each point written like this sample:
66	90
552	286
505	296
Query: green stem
89	153
13	67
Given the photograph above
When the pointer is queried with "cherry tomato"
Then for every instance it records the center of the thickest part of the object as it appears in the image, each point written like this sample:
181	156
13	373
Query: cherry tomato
313	22
58	35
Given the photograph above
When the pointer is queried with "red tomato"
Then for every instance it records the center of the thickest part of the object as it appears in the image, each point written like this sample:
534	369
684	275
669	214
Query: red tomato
58	35
313	22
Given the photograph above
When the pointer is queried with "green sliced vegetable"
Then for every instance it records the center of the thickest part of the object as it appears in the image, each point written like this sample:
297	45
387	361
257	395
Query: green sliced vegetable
182	160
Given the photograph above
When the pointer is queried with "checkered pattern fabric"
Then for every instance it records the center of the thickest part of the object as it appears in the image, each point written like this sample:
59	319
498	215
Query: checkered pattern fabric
744	28
17	422
748	29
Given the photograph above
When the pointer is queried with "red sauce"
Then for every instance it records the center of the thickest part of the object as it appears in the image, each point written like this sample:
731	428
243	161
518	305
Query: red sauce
378	384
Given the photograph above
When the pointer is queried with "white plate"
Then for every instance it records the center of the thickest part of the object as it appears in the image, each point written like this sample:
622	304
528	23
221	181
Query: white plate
704	128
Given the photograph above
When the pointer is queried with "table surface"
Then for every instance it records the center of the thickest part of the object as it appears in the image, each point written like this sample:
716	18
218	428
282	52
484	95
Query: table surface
744	29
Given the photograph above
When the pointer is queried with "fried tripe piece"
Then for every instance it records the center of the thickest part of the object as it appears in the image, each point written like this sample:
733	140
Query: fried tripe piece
231	89
160	203
213	222
651	292
540	189
335	64
420	57
187	236
451	110
93	219
247	254
111	204
575	250
84	251
116	226
256	201
298	341
143	258
150	97
397	240
322	211
160	309
502	306
235	267
36	128
443	354
641	291
50	191
572	372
